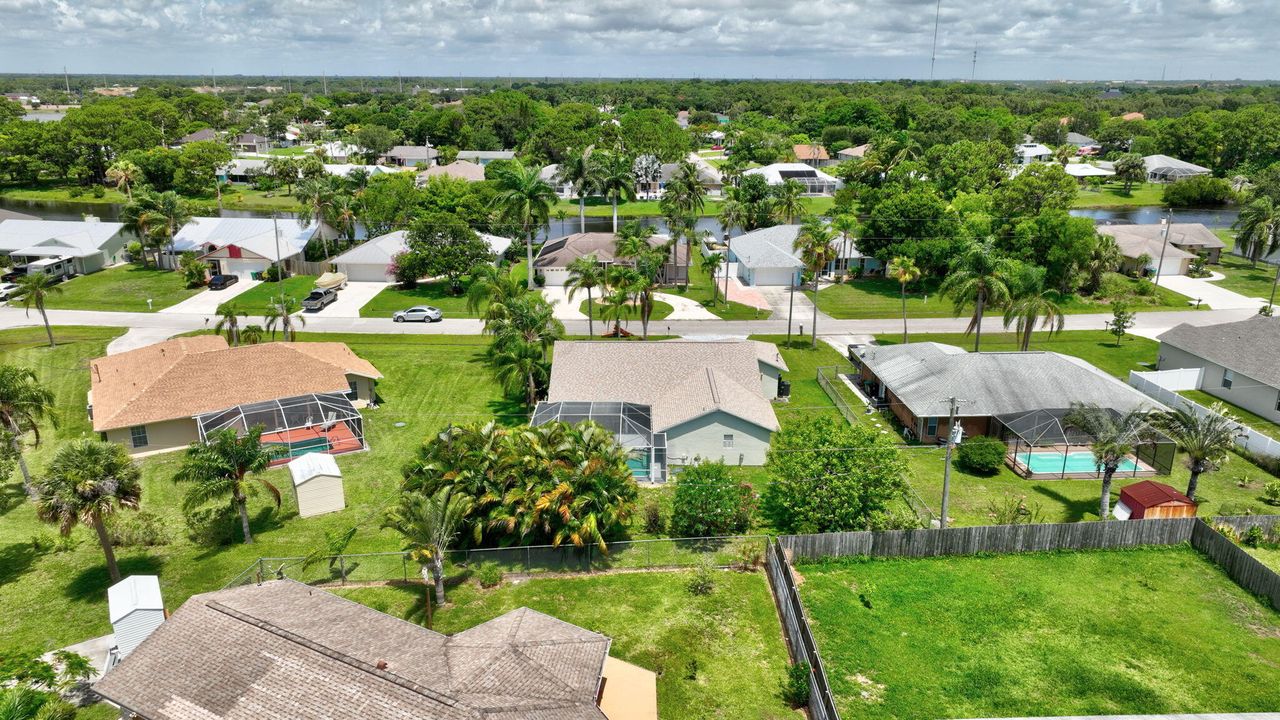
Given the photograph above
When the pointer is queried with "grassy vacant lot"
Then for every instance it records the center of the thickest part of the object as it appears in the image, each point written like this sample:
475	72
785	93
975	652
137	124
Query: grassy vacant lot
56	191
716	656
1113	195
437	294
1158	630
1242	277
880	298
255	300
124	289
1257	422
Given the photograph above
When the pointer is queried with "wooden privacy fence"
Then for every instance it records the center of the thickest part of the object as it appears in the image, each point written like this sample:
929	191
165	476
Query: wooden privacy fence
1246	570
800	640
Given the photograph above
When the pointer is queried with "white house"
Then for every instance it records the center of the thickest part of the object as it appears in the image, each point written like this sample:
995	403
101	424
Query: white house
136	609
814	180
317	484
243	246
550	174
1162	168
339	151
86	245
768	257
1031	152
371	261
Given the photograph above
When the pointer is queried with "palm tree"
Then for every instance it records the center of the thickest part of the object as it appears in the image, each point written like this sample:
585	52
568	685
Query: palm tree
588	498
647	171
284	170
229	321
616	181
580	170
125	174
687	194
904	270
221	466
35	289
524	199
24	404
616	308
789	201
342	214
492	288
814	242
978	276
711	265
156	218
429	525
733	214
1115	437
252	334
1206	439
847	225
316	197
1130	168
520	366
1259	228
1105	258
1063	154
1026	310
585	273
282	312
88	480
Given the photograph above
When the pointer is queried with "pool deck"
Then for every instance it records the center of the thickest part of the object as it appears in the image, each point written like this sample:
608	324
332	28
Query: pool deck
1019	467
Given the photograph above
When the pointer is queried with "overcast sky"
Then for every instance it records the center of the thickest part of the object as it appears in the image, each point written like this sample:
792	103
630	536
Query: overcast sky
1015	39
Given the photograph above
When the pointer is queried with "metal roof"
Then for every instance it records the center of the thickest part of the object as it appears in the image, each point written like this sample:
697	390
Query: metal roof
310	465
136	592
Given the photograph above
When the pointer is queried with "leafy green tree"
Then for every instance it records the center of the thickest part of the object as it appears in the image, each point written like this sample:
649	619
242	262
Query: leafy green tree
1115	437
524	199
227	464
1122	318
1056	241
904	270
388	202
979	277
376	140
1206	439
86	481
908	222
1038	188
585	273
192	269
828	476
284	170
443	245
198	167
967	166
34	289
709	501
429	525
25	402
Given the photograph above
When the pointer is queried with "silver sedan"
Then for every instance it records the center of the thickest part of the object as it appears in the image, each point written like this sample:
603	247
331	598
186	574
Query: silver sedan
418	313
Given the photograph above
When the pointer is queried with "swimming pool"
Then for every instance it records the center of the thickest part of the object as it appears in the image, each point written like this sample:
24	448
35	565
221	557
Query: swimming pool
1080	461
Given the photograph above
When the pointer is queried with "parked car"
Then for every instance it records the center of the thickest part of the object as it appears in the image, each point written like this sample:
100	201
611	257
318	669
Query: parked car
420	313
7	290
319	299
220	282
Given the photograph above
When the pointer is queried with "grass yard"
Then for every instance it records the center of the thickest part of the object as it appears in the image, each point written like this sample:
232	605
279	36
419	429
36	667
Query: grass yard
1269	556
58	191
700	291
661	311
125	288
1242	277
1113	195
255	300
1153	630
880	298
1257	422
436	294
717	656
52	595
243	197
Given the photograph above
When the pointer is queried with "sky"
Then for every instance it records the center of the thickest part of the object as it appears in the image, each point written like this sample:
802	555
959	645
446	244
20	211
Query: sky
848	39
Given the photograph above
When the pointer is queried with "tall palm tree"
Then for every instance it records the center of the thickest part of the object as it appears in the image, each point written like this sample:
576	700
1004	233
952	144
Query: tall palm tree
687	193
980	275
847	225
711	265
585	273
1206	439
222	466
1115	437
580	170
1026	310
1105	258
429	525
616	181
1259	228
904	270
24	404
524	199
733	214
316	197
125	174
788	202
88	480
156	218
229	321
343	216
814	241
35	289
493	289
282	312
520	367
616	308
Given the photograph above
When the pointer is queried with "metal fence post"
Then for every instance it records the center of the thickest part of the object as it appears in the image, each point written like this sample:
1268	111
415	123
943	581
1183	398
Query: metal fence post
261	571
404	566
342	568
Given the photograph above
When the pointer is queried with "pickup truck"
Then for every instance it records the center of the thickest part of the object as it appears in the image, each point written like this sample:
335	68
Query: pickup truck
319	299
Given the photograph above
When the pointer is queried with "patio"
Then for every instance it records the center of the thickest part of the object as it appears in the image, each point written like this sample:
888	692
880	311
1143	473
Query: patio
319	422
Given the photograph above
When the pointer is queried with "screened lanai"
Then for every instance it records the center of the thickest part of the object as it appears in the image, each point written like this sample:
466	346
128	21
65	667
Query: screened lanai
1042	445
631	423
318	422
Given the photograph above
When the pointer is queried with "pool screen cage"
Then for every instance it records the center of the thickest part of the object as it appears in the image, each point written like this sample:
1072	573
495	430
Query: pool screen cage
318	422
631	424
1044	432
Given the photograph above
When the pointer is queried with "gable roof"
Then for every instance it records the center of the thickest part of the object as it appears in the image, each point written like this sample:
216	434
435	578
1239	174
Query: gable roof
1149	493
199	136
311	465
383	249
185	377
136	592
560	252
56	237
1075	138
854	152
1249	347
412	152
923	375
1134	244
1032	149
282	649
1181	234
679	380
1166	165
809	152
257	235
251	139
460	169
775	247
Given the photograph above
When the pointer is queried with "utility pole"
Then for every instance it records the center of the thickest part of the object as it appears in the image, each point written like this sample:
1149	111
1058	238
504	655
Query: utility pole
324	81
946	472
1164	242
727	252
933	57
791	303
973	73
67	79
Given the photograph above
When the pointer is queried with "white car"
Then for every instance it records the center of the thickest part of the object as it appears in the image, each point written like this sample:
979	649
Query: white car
420	313
7	290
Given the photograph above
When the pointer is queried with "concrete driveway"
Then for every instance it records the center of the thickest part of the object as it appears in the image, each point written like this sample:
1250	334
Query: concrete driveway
351	298
1215	296
563	307
206	301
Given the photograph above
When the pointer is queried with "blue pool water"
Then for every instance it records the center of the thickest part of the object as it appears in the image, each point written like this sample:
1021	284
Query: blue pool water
1080	461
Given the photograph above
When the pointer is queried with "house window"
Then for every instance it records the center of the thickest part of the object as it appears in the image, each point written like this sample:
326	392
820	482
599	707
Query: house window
1277	402
138	436
1227	378
351	389
931	426
728	440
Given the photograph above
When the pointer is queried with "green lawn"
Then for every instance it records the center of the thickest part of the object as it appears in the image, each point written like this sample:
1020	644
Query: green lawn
122	289
234	197
1153	630
436	294
1113	195
1242	277
661	311
1257	422
243	197
59	191
880	298
716	656
1269	556
699	290
255	300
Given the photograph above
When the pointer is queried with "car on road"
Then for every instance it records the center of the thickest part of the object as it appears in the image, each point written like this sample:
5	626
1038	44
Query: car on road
319	299
419	313
7	290
220	282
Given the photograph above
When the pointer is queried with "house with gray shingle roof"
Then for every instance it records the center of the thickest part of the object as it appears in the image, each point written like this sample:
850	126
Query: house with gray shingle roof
671	402
768	257
1188	237
1239	361
282	649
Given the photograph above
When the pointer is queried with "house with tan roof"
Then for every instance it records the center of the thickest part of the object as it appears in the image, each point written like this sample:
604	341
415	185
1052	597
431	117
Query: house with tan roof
458	169
671	402
282	649
811	155
555	256
306	396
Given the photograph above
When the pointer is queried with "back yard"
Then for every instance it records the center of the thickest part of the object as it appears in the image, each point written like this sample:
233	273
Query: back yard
1153	630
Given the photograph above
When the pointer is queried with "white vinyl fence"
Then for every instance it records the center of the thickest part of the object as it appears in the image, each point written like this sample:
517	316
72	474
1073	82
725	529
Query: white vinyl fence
1162	385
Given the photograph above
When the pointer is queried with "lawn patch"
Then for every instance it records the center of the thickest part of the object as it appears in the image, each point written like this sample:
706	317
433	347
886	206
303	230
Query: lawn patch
436	294
255	300
125	288
1112	194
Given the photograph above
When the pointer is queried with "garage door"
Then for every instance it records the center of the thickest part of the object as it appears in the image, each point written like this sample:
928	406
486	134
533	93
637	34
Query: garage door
775	277
364	272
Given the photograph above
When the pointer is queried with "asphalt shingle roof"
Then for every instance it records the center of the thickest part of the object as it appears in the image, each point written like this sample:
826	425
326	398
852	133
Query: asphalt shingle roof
770	247
1249	347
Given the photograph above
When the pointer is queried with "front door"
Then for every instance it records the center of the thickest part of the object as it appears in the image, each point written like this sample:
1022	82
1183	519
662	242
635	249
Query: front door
215	267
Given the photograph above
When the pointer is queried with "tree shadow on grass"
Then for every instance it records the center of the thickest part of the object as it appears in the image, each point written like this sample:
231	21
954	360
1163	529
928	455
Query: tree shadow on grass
15	560
1076	510
91	584
11	496
509	412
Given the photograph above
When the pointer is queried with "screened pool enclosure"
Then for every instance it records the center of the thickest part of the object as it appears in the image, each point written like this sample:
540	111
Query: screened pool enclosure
319	422
1041	445
631	423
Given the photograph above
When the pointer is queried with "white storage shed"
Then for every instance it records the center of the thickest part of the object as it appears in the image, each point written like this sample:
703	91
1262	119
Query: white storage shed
317	484
136	610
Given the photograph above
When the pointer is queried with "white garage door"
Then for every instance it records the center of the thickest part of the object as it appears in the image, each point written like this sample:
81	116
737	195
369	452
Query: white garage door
365	272
773	277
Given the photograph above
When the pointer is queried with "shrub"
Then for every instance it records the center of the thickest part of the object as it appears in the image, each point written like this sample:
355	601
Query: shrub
1013	510
489	575
703	581
75	191
795	686
99	191
654	524
1199	191
134	249
1253	537
140	529
212	525
709	501
1113	285
1271	492
981	455
539	278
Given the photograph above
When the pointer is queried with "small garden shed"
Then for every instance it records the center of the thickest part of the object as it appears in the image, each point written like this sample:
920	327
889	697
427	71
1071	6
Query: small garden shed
317	484
136	610
1150	499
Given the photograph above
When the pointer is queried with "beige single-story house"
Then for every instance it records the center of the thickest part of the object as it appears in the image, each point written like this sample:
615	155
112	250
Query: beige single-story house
411	155
166	396
554	257
671	402
62	247
371	261
1194	238
811	155
1144	251
1239	361
458	169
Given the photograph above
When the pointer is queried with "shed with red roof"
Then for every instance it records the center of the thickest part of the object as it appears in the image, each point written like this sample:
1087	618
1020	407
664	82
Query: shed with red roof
1150	499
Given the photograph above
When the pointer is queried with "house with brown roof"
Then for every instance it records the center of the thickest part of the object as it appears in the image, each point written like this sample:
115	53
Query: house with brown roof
1193	238
458	169
554	257
811	155
282	649
671	402
307	396
1143	249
